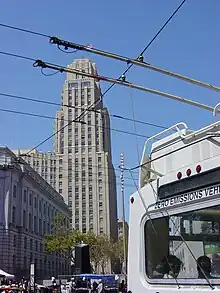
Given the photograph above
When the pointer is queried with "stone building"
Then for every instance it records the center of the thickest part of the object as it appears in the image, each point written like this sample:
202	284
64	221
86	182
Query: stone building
28	205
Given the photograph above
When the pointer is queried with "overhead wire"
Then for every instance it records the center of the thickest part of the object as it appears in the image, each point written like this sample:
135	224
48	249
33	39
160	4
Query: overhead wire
40	34
135	128
69	121
24	30
146	47
39	63
117	177
34	115
82	164
17	56
63	127
166	154
42	64
80	108
55	133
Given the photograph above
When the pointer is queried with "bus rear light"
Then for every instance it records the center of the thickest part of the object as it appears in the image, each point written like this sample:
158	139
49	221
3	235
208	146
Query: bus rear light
198	169
188	172
132	199
179	175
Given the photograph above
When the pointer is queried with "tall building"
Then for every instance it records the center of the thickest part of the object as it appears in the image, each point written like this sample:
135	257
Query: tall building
80	168
28	205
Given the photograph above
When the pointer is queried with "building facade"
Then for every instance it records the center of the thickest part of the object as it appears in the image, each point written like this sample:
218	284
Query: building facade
120	229
28	205
80	168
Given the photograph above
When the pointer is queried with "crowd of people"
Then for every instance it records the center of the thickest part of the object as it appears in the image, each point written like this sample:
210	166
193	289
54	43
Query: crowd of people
91	285
10	285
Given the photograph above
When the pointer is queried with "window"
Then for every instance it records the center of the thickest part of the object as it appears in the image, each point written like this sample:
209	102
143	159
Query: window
35	224
85	83
14	191
72	85
25	242
30	199
40	203
15	240
24	219
31	244
25	195
35	202
30	222
14	262
178	240
13	215
40	226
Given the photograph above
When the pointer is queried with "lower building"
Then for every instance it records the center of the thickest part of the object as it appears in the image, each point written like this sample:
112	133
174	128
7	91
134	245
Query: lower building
120	229
28	205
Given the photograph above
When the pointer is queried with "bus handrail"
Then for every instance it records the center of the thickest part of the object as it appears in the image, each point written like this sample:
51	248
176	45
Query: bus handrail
173	127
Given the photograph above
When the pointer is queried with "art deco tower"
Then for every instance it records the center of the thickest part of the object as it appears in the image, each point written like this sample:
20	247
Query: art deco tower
80	168
85	175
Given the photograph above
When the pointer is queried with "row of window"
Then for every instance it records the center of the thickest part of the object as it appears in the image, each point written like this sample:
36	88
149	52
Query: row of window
41	264
46	162
35	200
78	84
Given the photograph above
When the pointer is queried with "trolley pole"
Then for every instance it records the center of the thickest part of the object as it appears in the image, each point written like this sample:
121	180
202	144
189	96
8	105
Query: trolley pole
123	210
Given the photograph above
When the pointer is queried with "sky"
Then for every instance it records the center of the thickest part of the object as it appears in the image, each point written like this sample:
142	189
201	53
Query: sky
188	45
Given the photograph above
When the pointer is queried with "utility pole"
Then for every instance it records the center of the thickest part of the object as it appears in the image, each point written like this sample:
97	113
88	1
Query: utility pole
123	210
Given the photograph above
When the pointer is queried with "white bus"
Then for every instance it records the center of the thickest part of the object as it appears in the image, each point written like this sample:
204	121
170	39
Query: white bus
174	224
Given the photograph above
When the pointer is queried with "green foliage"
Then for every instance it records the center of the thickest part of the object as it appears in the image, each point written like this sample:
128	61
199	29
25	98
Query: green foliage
63	240
119	249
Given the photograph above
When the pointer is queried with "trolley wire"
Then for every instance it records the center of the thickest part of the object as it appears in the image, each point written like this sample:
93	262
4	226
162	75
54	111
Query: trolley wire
79	164
70	121
169	153
39	63
17	56
130	66
81	108
148	45
100	98
24	30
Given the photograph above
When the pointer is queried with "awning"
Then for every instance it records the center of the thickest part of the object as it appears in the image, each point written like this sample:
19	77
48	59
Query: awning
6	275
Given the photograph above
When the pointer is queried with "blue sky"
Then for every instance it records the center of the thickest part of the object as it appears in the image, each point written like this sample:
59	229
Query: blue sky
189	45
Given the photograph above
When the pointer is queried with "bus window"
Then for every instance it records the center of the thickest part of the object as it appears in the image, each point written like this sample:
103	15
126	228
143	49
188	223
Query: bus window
164	236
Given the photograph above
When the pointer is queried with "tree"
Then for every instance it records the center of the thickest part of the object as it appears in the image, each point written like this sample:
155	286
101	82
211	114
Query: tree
64	239
105	250
94	249
118	251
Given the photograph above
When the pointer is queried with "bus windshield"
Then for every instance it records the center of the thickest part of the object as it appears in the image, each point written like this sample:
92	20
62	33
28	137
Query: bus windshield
200	230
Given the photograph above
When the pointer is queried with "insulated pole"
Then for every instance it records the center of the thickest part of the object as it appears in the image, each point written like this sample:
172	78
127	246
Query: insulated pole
123	82
138	62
